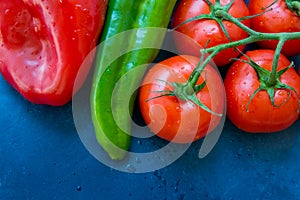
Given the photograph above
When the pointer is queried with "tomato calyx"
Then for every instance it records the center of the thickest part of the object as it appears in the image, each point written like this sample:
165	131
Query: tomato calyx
268	84
215	14
186	92
294	6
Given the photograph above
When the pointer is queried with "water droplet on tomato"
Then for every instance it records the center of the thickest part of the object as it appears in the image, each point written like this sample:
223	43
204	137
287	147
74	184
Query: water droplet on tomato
195	31
229	25
261	23
281	93
208	33
243	107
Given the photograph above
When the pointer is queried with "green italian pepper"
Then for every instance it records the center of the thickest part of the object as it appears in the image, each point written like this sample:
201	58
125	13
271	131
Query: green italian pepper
111	84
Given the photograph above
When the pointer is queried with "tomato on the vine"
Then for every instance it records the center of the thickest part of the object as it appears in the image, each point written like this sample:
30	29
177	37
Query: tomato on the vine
259	115
208	32
277	18
42	45
175	119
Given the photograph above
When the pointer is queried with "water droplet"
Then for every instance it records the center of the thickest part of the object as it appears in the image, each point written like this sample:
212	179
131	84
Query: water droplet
261	23
229	25
87	35
281	93
208	34
238	155
243	107
176	189
78	188
130	168
138	160
6	11
195	31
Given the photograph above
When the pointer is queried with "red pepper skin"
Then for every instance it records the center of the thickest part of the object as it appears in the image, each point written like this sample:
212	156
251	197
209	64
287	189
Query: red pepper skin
43	44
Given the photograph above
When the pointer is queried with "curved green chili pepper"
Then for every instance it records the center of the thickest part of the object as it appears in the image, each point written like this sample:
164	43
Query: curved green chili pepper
123	15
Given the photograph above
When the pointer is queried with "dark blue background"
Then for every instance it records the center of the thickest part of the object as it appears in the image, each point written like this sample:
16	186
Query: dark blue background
42	157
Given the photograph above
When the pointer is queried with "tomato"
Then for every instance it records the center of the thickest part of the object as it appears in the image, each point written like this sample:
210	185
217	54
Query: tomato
43	43
201	31
241	81
279	19
175	119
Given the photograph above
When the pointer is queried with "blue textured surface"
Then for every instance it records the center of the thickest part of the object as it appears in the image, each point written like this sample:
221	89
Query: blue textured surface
43	157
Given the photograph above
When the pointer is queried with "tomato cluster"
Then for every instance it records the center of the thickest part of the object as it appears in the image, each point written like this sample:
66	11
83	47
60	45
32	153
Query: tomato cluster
262	97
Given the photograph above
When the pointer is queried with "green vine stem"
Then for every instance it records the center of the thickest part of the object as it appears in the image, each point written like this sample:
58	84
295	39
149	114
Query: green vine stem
270	80
254	36
294	6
